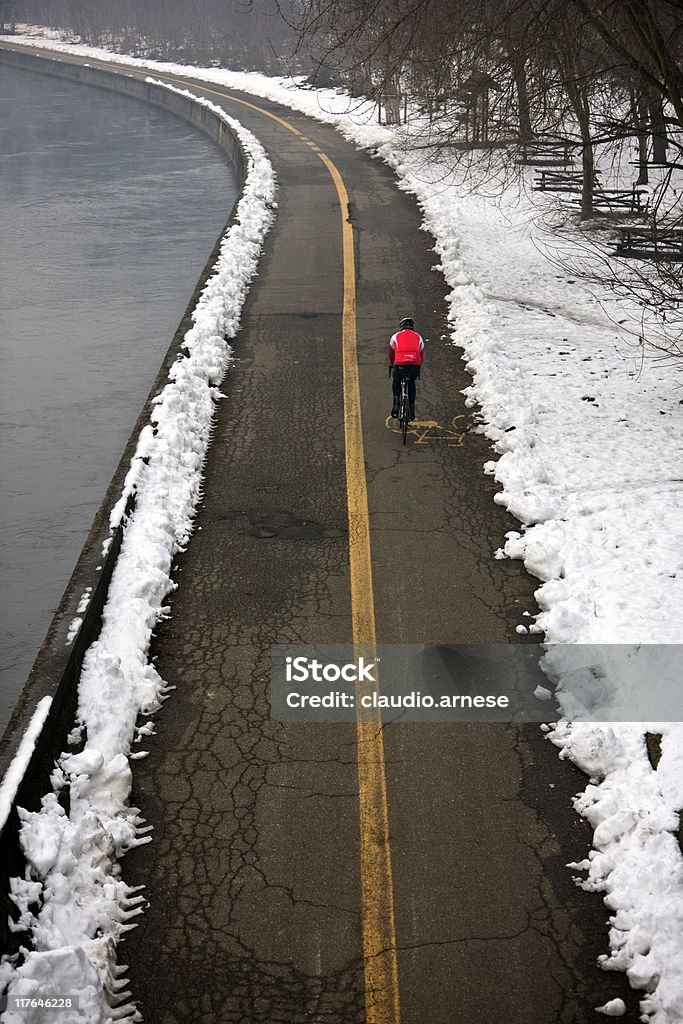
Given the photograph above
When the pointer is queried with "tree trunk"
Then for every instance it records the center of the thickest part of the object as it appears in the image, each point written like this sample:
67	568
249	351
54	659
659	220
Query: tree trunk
579	100
640	118
526	132
392	101
588	184
660	139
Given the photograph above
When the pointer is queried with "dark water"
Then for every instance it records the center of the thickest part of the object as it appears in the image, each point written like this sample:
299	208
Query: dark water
108	211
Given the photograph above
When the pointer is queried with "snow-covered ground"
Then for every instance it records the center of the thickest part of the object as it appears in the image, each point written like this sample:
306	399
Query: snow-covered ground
586	424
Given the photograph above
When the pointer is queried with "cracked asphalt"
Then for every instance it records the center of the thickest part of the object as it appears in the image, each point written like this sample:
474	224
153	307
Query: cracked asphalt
253	877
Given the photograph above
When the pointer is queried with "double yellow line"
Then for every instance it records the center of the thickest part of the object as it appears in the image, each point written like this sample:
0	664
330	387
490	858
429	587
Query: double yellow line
382	1004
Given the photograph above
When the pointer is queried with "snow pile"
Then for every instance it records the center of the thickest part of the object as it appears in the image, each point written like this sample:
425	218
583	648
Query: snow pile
77	621
586	427
73	900
17	769
636	860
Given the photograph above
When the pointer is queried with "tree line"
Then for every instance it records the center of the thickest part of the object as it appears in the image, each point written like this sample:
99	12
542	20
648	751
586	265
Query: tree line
495	72
590	78
510	76
242	34
486	72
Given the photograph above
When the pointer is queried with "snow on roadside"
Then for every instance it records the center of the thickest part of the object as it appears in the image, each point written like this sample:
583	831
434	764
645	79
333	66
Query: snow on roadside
590	450
17	769
84	906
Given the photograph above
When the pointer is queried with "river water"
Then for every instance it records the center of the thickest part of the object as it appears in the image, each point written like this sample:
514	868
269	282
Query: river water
108	212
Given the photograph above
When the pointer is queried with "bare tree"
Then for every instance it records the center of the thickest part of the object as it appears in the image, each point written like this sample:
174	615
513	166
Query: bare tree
238	33
498	75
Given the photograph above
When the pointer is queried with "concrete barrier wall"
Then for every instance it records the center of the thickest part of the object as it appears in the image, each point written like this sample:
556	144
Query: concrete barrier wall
136	87
57	668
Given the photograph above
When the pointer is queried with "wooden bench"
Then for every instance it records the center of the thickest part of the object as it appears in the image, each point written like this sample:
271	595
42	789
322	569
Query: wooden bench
559	181
547	154
651	244
633	199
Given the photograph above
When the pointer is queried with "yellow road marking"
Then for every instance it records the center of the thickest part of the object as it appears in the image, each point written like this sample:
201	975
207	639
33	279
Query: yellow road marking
429	430
225	95
382	1004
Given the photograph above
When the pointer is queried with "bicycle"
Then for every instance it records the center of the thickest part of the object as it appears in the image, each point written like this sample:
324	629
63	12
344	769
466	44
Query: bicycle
404	409
404	417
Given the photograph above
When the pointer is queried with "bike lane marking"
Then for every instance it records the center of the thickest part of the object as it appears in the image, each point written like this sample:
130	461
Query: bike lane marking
426	431
382	1003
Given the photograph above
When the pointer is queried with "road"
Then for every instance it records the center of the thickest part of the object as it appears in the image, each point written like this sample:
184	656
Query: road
264	902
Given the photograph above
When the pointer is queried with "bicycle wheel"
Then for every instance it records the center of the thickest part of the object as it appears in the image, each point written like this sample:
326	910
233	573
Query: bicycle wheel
403	410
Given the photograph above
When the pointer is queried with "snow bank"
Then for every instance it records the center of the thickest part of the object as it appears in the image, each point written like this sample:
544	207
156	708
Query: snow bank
17	769
587	430
73	900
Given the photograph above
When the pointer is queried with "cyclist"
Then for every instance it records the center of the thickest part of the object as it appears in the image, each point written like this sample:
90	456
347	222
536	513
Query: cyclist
406	355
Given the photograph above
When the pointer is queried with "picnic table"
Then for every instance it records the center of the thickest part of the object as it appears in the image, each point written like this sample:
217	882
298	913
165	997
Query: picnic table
632	199
547	153
651	243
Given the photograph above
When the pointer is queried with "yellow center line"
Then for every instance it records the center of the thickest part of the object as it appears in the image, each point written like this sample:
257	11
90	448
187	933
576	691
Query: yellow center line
382	1004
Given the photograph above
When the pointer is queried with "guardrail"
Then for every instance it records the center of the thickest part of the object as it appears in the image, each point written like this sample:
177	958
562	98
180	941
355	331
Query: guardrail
57	668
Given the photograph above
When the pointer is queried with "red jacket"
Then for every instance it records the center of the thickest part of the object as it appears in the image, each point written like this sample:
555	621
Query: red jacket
406	348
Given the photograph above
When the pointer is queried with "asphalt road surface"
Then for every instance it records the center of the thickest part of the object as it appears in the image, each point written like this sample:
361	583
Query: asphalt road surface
264	901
